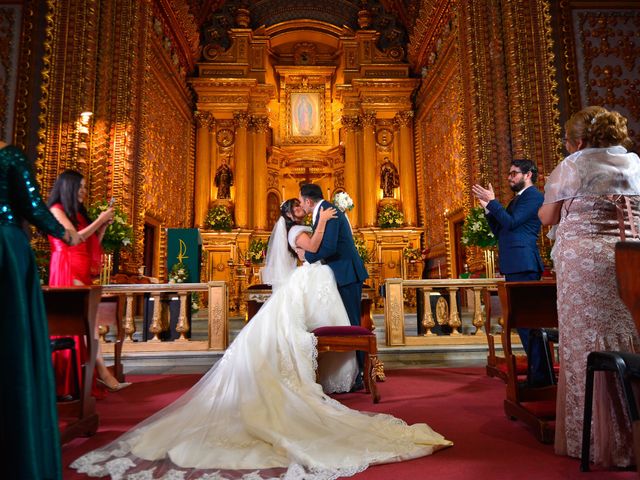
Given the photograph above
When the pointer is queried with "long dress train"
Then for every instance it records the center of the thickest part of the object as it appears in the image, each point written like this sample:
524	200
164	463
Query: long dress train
258	411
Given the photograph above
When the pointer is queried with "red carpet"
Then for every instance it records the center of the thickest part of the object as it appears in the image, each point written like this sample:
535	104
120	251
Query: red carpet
463	404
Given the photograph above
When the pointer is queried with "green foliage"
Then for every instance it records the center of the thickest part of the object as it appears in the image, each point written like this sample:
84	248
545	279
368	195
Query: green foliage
365	255
179	273
119	234
219	218
390	217
195	302
257	251
476	231
411	253
42	263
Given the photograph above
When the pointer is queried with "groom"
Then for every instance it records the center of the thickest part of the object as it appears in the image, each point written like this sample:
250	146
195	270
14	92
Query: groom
338	251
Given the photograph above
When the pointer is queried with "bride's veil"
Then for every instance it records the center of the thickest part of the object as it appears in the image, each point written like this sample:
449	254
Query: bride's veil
280	264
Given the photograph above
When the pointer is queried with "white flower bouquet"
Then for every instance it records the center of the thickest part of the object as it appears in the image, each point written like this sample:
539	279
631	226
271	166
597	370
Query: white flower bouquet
476	231
179	273
343	201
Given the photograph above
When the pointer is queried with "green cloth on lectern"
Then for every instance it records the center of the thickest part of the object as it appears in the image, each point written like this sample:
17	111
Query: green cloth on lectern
185	244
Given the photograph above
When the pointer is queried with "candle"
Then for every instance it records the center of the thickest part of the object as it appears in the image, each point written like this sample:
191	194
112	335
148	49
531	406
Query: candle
439	271
283	196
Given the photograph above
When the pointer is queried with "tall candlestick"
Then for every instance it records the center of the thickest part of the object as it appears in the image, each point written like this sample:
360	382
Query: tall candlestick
439	271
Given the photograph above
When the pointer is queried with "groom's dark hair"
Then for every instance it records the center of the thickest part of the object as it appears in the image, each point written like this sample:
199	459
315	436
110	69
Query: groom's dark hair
311	191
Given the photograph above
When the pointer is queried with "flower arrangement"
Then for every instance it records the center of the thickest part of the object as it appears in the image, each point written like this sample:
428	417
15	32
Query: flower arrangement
219	218
179	273
195	302
390	217
362	249
476	231
257	251
119	233
343	201
411	254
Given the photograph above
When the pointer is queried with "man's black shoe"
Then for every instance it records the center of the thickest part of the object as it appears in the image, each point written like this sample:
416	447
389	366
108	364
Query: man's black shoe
358	384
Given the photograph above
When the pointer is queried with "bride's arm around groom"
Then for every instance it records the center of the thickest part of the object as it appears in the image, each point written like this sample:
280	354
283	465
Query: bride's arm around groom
338	251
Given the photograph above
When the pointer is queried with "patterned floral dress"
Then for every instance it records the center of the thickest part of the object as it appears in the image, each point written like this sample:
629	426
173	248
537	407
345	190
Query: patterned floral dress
591	317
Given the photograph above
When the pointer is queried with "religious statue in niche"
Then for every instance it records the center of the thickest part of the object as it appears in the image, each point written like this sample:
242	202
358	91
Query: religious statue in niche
224	180
389	178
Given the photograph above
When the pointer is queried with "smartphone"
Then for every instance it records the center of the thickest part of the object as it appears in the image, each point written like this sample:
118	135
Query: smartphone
112	201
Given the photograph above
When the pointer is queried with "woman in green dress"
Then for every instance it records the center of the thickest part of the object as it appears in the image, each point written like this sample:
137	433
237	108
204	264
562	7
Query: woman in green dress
28	417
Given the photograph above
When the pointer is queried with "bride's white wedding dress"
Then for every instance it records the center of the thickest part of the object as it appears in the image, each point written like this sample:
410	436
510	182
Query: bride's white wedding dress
258	412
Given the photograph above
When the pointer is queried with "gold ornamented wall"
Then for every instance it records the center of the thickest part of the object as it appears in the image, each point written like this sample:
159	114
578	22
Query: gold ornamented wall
440	150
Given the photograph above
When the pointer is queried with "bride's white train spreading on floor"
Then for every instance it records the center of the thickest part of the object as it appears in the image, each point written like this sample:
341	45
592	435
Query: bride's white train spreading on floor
258	413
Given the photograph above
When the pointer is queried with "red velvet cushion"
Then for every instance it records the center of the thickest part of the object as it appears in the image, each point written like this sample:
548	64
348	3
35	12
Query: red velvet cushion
341	331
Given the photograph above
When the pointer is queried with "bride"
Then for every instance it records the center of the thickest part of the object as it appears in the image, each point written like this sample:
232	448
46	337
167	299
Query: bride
258	413
337	371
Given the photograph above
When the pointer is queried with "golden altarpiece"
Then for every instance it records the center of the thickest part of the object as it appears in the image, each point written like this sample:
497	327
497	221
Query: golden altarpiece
298	102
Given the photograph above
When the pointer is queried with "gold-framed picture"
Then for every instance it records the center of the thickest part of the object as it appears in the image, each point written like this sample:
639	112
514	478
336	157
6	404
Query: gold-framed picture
305	115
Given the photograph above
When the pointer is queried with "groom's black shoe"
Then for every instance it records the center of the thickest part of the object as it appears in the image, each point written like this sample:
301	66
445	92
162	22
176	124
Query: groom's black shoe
358	384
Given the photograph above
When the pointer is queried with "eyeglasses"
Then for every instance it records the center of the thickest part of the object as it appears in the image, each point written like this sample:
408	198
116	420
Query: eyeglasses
514	173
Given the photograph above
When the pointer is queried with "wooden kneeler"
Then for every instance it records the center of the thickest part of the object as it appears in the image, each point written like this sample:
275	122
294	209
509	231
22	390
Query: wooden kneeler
72	311
349	339
528	305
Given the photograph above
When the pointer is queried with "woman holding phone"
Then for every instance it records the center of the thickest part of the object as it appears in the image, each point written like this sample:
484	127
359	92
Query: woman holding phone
77	265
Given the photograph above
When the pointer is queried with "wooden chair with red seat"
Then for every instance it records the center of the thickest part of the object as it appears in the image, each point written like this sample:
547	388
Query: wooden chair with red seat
625	365
356	338
72	311
528	305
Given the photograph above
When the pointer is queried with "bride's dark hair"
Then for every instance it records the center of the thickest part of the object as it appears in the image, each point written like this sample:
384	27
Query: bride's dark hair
286	211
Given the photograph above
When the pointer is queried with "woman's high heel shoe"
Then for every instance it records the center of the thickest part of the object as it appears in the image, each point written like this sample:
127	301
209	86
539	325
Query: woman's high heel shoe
117	388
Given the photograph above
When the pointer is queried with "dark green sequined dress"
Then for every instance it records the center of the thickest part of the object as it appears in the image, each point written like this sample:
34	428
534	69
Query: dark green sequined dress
28	419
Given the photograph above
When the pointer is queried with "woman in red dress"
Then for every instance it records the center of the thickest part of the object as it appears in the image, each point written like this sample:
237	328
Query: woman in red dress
76	266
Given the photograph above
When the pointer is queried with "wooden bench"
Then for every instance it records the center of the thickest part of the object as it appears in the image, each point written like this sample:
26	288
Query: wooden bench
528	305
72	311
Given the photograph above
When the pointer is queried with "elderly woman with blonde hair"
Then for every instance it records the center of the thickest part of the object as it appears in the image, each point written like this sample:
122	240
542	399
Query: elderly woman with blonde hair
593	196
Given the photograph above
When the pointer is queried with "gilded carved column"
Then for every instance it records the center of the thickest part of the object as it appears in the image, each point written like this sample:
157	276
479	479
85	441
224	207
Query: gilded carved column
260	126
368	170
204	124
243	189
351	182
404	121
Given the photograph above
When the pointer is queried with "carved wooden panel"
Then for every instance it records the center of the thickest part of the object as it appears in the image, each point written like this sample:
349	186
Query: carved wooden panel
607	70
10	16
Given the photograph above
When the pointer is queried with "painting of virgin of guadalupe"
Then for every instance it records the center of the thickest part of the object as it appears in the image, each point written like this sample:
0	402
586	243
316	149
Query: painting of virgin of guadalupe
305	114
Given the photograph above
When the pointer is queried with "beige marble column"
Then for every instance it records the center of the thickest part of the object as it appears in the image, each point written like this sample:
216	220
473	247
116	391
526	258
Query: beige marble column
260	126
368	170
242	200
404	122
351	181
204	125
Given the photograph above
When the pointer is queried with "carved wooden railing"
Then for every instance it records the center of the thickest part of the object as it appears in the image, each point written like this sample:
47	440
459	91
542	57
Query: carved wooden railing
218	332
394	306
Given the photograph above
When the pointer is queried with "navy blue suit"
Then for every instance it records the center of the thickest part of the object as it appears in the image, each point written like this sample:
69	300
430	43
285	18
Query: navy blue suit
338	251
517	228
